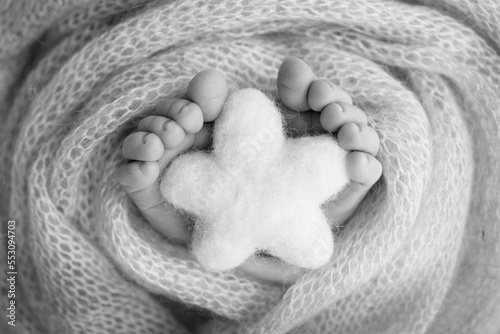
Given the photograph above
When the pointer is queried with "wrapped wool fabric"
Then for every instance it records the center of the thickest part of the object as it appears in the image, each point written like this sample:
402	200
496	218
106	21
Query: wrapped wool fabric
257	190
420	255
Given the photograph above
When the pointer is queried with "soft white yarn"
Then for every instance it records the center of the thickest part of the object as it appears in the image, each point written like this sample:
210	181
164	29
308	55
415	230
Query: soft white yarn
257	190
421	255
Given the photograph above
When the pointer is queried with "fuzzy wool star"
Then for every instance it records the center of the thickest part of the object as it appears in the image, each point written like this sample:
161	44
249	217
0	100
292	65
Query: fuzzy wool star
258	190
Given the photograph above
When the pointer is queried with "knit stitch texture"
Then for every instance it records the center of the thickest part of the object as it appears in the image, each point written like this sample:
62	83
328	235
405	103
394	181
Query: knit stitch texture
420	255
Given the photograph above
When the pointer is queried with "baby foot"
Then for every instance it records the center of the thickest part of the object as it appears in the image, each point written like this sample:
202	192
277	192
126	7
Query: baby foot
313	105
324	106
178	125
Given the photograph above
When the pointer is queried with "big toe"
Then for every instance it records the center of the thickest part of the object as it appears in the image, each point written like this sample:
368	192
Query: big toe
209	90
294	79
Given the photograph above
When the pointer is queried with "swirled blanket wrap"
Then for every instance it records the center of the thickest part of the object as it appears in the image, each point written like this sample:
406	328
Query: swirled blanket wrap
420	255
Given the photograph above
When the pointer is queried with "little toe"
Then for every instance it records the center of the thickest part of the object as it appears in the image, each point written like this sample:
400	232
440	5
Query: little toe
186	113
168	130
358	137
294	79
322	93
144	146
336	115
138	175
209	90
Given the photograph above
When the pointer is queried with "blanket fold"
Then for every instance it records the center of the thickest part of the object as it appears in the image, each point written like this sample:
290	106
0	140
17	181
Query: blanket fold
420	255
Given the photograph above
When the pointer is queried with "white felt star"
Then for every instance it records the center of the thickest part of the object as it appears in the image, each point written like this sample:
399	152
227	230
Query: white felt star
257	189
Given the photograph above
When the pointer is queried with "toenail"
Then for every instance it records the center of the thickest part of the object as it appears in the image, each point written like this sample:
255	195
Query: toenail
327	83
143	168
283	77
165	125
337	107
367	160
184	106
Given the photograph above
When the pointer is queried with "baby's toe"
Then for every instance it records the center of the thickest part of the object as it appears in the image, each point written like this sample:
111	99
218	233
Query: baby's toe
322	93
358	137
336	115
294	79
168	130
144	146
209	90
137	176
363	169
186	113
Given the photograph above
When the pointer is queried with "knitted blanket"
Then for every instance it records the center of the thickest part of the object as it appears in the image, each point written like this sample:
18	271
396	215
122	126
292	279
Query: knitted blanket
420	255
